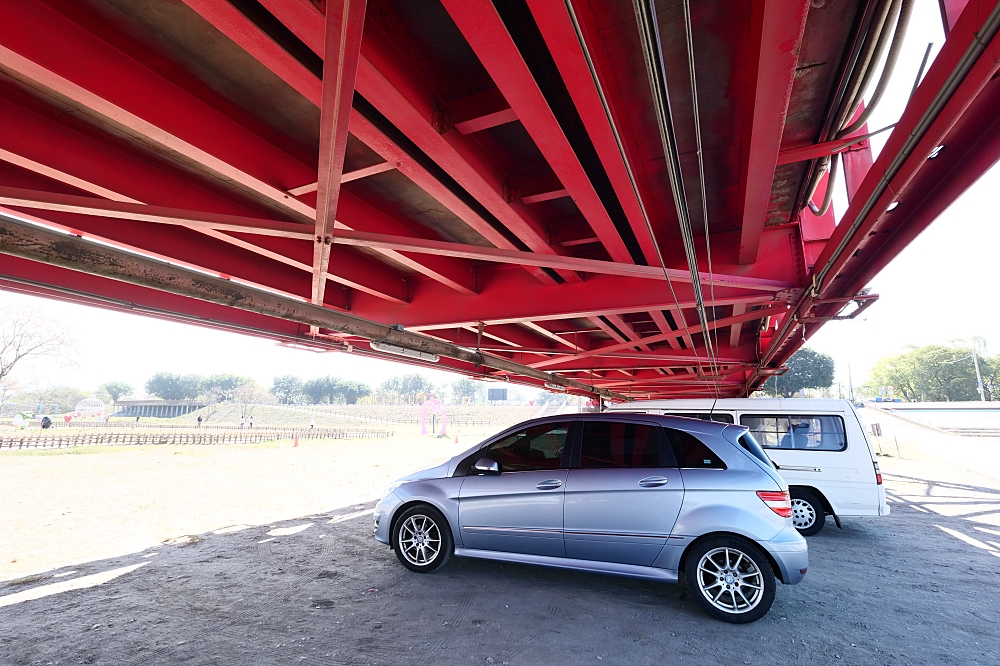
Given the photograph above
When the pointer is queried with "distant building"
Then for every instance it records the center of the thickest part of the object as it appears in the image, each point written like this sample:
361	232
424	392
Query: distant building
159	408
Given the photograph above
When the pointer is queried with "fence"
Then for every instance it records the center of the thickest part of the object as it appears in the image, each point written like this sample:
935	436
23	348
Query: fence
144	438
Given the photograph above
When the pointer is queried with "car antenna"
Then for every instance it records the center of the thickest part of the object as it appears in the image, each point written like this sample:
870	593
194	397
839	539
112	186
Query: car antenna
712	411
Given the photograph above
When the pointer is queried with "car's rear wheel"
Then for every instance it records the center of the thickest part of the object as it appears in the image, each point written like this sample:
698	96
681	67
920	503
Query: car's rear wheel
730	578
422	539
808	513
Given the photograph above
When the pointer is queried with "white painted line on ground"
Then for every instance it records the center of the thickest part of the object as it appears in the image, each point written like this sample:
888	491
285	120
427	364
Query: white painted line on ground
230	529
67	585
914	506
150	554
967	539
65	573
287	531
988	530
266	540
352	516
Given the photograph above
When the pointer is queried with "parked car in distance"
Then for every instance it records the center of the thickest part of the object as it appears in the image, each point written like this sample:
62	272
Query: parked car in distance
654	497
819	447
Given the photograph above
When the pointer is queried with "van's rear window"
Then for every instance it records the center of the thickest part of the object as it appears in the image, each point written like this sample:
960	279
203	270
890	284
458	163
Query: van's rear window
797	431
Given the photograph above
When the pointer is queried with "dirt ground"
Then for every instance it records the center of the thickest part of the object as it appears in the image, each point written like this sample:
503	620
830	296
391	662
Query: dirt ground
74	505
314	587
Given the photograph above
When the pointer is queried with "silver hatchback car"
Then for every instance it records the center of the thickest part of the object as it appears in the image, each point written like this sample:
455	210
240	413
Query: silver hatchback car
662	498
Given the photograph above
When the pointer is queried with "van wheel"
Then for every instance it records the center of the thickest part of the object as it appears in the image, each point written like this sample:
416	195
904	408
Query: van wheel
730	578
808	513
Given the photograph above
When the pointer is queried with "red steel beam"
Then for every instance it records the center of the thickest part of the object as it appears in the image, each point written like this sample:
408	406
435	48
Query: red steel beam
661	323
141	244
605	294
345	20
965	66
582	73
379	281
119	119
68	203
355	213
652	339
357	174
478	112
485	31
480	253
395	92
307	22
780	26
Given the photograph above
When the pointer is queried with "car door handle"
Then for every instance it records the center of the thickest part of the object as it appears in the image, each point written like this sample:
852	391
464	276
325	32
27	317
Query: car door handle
654	481
551	484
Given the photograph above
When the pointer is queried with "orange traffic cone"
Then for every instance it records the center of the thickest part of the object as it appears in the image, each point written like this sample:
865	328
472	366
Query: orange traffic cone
296	440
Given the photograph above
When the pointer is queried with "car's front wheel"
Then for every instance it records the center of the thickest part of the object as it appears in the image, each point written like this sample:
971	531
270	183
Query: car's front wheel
422	539
730	578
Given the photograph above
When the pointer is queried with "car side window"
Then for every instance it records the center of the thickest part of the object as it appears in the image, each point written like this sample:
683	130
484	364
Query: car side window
619	444
691	452
533	448
797	431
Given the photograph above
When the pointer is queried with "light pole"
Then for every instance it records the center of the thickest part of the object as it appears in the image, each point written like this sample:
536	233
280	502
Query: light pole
979	377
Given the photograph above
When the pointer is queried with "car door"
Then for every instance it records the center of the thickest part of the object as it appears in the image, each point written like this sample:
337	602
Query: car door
519	510
623	493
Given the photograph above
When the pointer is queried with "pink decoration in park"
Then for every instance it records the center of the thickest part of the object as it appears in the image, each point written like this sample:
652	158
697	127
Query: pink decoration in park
433	405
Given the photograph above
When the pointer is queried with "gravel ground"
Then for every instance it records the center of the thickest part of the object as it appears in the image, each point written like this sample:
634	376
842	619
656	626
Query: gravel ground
903	590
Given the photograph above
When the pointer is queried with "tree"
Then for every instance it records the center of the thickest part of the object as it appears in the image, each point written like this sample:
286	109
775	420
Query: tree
351	391
288	389
323	389
64	397
220	388
806	369
934	373
115	390
175	387
464	388
247	396
550	398
25	334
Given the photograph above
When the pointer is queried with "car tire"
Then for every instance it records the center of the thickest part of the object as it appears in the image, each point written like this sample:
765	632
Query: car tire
808	512
730	578
422	539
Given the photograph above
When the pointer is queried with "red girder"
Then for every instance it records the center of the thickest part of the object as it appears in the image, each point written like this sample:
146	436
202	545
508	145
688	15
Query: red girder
780	26
344	26
502	177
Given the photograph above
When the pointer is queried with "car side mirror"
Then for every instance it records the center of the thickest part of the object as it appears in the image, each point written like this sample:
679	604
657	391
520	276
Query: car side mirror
486	466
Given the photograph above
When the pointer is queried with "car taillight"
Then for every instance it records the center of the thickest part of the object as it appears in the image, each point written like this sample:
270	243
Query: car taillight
878	474
778	501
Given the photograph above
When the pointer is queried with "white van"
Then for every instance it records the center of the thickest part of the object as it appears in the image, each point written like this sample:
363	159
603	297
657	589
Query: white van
818	446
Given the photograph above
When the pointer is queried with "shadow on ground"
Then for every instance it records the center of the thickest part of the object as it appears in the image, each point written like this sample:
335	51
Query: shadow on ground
880	591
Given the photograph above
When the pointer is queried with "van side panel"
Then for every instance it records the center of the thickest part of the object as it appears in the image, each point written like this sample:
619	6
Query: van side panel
845	478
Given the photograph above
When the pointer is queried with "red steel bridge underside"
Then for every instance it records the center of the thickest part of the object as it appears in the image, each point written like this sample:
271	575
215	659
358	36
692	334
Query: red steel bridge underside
532	190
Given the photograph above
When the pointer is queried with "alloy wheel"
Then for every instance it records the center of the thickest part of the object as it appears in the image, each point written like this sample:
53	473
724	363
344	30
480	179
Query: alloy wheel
730	580
419	540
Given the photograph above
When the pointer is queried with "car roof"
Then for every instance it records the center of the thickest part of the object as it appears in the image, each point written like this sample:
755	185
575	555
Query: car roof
744	404
676	422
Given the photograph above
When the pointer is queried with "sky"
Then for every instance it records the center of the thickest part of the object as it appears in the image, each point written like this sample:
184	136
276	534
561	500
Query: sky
933	292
